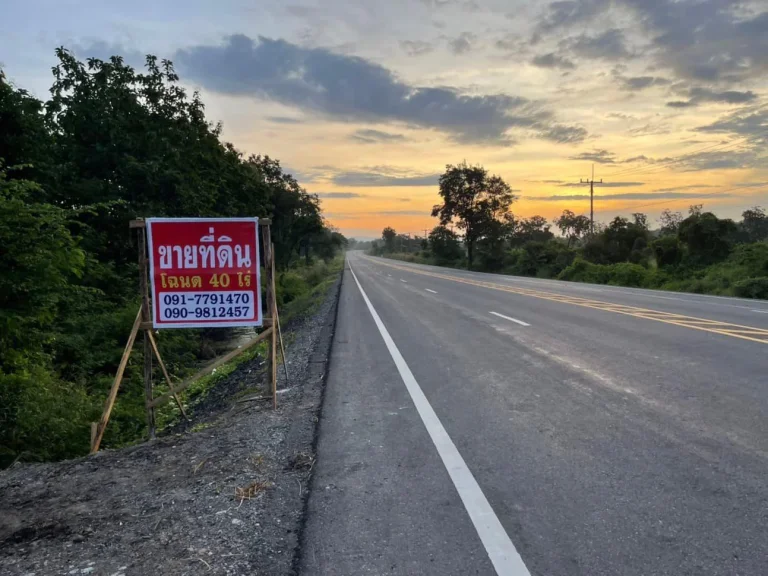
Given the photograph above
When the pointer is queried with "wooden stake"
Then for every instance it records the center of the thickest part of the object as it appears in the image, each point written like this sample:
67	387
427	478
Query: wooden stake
273	367
165	398
146	317
165	373
115	385
282	348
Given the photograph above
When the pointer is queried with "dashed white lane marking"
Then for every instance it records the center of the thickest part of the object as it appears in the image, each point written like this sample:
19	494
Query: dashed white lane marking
428	290
761	311
401	280
501	551
515	320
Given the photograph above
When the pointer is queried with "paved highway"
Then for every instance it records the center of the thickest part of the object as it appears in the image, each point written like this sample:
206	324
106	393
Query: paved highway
484	424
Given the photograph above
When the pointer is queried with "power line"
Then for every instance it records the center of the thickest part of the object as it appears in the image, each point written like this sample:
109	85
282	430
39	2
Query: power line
657	167
726	191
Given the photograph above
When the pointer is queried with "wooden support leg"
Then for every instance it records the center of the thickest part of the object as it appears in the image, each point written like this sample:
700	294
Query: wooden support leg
102	425
148	386
273	367
165	373
146	317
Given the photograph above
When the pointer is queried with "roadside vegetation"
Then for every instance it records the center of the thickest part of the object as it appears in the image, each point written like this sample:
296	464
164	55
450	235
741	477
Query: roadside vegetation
694	252
109	145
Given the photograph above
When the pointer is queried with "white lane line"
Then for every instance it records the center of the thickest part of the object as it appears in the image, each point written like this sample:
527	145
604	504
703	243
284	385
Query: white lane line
401	280
761	311
501	551
428	290
515	320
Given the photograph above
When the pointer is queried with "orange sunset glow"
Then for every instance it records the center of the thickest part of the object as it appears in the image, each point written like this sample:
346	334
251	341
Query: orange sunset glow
366	103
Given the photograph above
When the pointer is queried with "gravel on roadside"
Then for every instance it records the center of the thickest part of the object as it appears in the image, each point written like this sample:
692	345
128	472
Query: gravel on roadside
227	498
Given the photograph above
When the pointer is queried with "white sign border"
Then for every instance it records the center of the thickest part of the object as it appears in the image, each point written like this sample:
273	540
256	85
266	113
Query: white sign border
215	324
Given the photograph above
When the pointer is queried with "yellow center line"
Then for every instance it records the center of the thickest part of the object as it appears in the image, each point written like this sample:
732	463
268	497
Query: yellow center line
751	333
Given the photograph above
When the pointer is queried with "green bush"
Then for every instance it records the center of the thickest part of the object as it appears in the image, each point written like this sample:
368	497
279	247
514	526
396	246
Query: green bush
290	286
751	288
583	271
627	274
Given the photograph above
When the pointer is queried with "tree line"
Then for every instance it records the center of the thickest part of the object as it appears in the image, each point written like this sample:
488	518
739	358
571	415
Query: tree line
109	145
696	252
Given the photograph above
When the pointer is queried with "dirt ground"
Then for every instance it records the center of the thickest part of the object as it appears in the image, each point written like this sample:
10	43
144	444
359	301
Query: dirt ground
226	499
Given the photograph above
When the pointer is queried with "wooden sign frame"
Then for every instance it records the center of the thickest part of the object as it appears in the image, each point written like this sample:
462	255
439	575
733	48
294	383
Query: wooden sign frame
143	322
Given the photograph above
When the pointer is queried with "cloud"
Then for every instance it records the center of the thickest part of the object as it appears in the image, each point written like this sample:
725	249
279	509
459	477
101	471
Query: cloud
699	40
598	156
350	88
369	136
752	124
284	120
105	50
635	83
564	134
602	184
681	104
699	95
567	13
719	160
383	176
416	47
686	187
650	130
404	213
707	40
463	43
623	196
340	195
512	43
610	45
751	184
552	60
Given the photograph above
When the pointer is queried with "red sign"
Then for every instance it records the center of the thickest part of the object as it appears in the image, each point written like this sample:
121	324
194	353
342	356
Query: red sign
204	272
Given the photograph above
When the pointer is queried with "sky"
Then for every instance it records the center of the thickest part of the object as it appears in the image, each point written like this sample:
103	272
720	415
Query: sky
366	102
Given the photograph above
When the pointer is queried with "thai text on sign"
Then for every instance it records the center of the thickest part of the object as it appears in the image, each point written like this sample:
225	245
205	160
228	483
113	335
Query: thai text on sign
204	272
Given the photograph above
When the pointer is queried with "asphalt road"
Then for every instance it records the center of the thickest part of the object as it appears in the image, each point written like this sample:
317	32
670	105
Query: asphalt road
592	430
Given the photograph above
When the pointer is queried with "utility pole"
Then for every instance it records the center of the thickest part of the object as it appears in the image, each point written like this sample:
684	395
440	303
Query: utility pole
591	183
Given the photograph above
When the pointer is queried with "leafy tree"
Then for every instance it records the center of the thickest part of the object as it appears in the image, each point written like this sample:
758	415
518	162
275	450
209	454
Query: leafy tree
571	226
389	235
533	229
667	250
708	238
296	214
669	222
444	244
475	200
755	224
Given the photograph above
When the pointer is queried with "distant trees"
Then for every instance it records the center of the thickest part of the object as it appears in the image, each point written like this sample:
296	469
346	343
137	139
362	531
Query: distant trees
444	244
669	222
755	224
476	201
571	226
389	235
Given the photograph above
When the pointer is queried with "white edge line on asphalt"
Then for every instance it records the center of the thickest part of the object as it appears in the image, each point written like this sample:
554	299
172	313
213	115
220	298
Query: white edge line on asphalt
502	552
515	320
428	290
761	311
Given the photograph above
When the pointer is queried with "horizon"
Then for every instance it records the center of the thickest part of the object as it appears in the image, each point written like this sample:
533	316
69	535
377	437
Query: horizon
365	107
